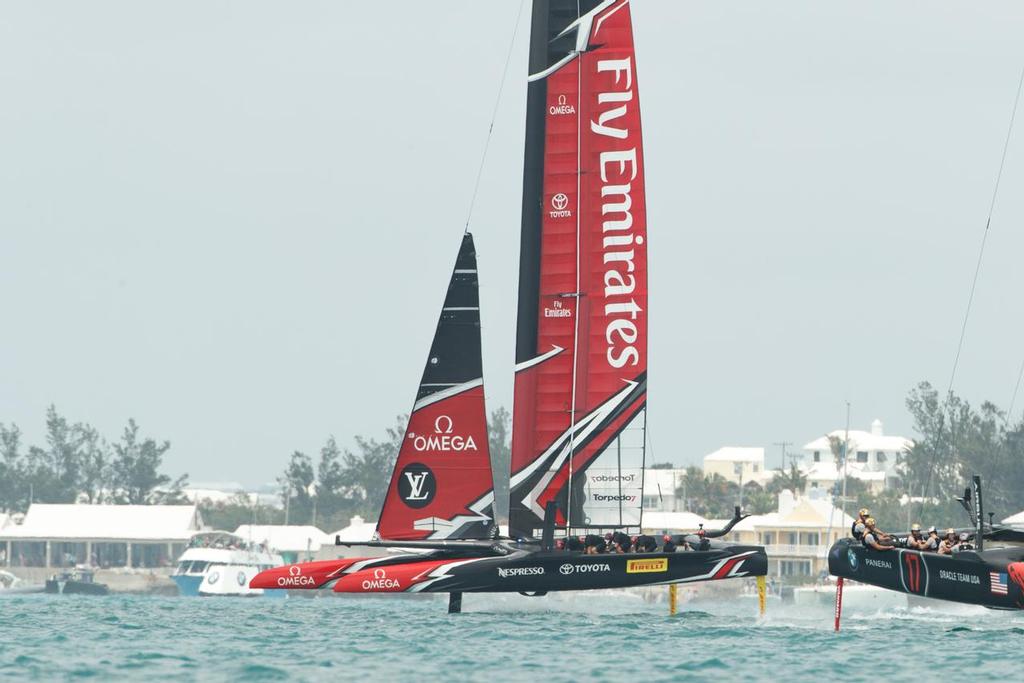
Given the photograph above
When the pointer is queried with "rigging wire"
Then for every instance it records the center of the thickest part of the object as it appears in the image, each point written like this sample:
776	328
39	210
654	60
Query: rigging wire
974	281
1013	399
494	114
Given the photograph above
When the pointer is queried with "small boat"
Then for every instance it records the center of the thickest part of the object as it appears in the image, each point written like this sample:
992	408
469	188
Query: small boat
221	563
12	585
79	581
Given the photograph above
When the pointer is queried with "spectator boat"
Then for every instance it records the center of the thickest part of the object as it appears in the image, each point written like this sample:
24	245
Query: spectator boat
221	563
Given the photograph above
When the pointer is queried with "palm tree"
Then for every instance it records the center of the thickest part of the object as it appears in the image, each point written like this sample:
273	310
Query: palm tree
794	480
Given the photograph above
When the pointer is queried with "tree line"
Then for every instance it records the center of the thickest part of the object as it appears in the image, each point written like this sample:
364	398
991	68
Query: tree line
337	484
77	464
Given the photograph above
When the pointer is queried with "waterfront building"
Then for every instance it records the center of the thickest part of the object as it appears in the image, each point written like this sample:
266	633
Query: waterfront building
99	535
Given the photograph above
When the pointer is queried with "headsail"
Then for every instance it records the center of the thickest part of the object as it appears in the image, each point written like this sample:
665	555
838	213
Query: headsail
442	485
579	419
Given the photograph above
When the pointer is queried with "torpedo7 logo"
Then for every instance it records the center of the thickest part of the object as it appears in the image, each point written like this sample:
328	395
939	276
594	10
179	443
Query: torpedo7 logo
417	485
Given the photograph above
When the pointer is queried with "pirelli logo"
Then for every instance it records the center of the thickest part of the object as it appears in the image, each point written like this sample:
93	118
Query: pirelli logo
646	566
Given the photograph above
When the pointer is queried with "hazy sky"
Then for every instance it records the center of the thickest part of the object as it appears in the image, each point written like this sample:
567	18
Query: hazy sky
234	221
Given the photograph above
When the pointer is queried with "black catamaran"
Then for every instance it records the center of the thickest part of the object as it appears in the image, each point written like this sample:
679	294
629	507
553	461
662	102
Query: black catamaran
990	573
579	421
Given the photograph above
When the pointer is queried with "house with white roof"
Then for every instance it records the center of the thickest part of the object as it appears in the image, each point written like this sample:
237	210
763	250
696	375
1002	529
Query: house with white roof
872	456
357	531
737	464
100	535
675	522
660	489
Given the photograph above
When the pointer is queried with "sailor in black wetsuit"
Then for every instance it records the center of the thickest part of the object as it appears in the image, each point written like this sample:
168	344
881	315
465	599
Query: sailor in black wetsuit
915	541
645	544
573	544
670	545
873	536
620	542
593	544
858	527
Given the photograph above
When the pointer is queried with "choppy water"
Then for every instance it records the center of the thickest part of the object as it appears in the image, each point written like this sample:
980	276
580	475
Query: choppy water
556	638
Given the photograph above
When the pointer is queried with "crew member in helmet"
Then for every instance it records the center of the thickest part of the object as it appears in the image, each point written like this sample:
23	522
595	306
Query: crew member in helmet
858	527
931	542
915	541
965	542
670	545
574	544
873	537
948	543
619	542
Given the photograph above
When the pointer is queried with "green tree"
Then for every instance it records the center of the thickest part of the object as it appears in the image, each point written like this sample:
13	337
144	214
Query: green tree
367	471
296	483
13	479
136	473
97	472
239	509
794	480
333	504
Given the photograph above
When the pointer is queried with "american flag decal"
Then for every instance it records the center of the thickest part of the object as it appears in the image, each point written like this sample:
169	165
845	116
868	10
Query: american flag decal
998	583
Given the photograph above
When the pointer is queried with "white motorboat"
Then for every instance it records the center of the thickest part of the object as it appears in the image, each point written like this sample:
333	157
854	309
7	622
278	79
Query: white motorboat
221	563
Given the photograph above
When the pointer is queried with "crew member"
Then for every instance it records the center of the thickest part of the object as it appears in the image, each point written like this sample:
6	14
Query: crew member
872	536
915	541
965	542
574	544
858	527
948	543
593	544
645	544
931	542
620	542
670	545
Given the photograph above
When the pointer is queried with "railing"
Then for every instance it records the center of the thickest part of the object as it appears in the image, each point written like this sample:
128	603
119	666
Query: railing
797	550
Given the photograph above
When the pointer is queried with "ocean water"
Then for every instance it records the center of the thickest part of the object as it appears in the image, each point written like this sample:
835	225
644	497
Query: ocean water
570	637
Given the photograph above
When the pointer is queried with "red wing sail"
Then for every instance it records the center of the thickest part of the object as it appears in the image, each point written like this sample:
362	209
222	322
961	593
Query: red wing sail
579	421
442	485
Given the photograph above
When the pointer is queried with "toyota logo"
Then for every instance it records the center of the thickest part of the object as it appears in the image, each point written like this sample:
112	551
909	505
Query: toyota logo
379	574
559	201
566	569
294	570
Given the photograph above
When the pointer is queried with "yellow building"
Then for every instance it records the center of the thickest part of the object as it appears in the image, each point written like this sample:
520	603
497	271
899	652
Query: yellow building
797	536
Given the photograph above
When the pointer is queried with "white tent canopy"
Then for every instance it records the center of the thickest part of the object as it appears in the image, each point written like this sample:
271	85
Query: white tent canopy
285	539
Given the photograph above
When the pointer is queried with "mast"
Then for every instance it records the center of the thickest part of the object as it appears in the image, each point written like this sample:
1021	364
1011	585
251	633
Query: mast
581	338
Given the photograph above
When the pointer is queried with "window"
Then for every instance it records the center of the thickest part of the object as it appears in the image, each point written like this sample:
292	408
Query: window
862	456
794	538
767	538
817	456
795	567
811	538
755	467
880	456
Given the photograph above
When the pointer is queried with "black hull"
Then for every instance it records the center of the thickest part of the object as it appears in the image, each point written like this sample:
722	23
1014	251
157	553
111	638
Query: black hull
965	577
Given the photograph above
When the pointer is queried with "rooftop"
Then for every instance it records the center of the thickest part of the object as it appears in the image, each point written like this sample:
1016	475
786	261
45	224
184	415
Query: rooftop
736	454
106	522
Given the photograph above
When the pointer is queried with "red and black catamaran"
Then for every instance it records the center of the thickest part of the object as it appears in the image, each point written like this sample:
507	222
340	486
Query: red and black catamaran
579	420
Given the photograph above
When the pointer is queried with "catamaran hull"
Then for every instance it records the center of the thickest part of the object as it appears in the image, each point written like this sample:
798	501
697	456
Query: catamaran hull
967	577
529	572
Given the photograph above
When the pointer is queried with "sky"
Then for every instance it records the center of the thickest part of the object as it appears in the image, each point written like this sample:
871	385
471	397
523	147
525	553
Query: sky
234	221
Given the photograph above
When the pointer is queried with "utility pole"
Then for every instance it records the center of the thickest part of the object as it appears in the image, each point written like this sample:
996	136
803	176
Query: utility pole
783	445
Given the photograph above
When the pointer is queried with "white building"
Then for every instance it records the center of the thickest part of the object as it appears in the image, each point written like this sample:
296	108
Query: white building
100	535
660	490
871	456
737	464
1015	520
